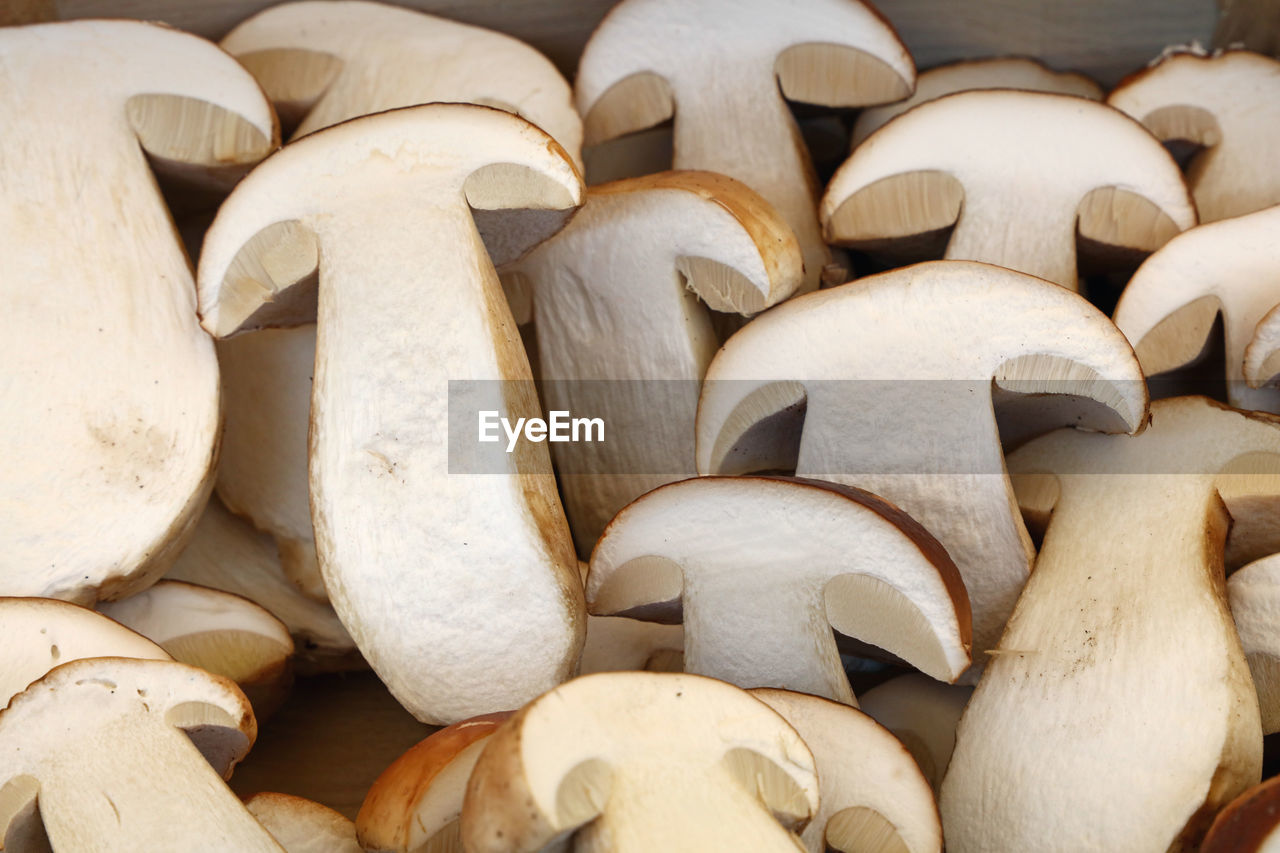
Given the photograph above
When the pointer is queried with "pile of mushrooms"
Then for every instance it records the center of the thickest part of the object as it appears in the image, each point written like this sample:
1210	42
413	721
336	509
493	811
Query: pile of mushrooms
706	507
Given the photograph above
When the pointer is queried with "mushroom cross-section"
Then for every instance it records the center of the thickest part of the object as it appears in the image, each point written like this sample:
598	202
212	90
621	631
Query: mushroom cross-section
1169	307
762	569
1086	679
637	762
650	60
1254	594
461	591
115	755
1227	103
872	794
1021	174
1004	72
893	386
109	407
303	826
622	335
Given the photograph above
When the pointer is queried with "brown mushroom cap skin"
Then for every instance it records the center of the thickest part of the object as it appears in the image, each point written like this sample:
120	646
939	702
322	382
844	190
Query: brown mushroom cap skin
1249	823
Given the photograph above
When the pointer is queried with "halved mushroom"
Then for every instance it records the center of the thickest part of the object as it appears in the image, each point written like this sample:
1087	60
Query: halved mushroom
409	305
1021	175
112	754
1227	103
1169	307
1249	824
886	383
872	795
616	643
226	553
1116	736
1254	594
761	570
109	414
303	826
415	804
642	761
216	631
622	335
650	60
41	633
1004	72
922	713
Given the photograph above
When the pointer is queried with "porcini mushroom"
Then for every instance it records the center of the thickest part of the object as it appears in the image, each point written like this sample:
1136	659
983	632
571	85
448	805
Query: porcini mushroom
622	335
1254	594
1227	103
415	804
1003	72
110	403
1005	182
377	210
42	633
1117	738
1169	307
650	60
761	570
216	631
114	754
922	713
1249	824
891	392
303	826
871	793
642	761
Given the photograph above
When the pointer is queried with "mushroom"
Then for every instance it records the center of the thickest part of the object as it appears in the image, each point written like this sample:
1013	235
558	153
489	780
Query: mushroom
41	633
226	553
872	794
409	305
761	570
1169	308
650	60
303	826
622	335
1262	355
638	761
110	401
922	713
1021	174
1254	594
1228	104
1004	72
216	631
322	63
891	392
415	804
115	754
1117	737
616	643
1249	823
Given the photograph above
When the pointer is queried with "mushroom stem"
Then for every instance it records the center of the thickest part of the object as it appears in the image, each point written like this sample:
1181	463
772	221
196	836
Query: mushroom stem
1034	237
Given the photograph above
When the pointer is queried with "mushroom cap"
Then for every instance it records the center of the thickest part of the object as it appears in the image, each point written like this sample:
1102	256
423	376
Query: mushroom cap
303	826
415	803
41	634
1248	823
1254	593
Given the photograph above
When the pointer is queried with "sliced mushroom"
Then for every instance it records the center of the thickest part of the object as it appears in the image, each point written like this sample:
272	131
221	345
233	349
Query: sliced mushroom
41	633
303	826
1003	181
872	795
1169	307
650	60
216	631
622	335
112	754
408	305
1117	736
1249	824
227	553
1227	103
1005	72
110	401
415	804
642	761
892	377
1254	594
761	570
922	713
616	643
